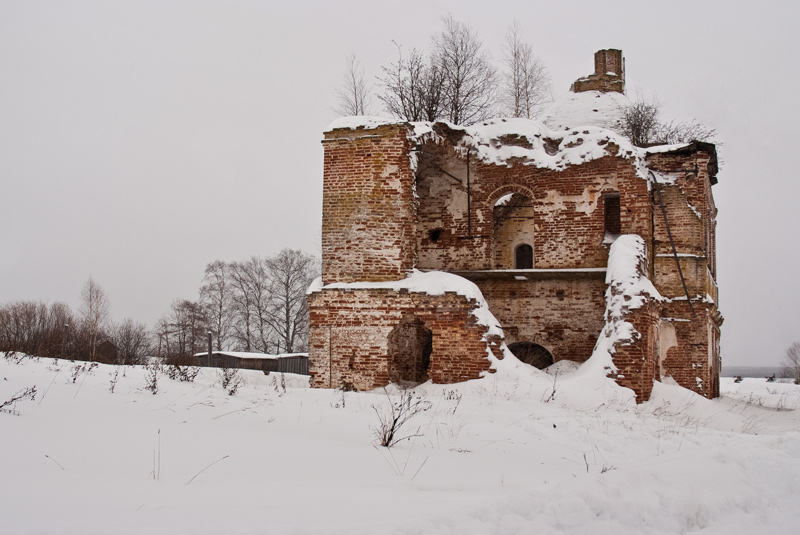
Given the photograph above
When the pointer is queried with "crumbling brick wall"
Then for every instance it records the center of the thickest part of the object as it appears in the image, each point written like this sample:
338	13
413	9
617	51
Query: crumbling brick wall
368	202
385	216
561	312
349	337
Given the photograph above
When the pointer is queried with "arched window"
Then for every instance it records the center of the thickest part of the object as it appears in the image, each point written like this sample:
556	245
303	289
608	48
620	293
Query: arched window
523	257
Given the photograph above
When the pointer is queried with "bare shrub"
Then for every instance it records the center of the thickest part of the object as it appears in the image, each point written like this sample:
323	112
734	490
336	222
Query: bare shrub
152	373
790	366
394	415
25	393
641	123
15	357
80	369
182	373
112	384
230	379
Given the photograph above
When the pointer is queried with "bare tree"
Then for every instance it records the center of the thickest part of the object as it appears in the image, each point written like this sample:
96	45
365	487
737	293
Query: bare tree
642	125
216	295
132	341
412	87
181	333
526	83
352	97
790	367
640	121
469	78
94	313
290	272
250	299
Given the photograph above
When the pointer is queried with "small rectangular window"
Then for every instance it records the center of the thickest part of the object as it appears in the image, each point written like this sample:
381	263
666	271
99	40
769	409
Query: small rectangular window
612	213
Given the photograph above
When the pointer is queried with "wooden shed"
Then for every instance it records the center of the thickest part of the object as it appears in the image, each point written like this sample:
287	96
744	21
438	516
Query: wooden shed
285	363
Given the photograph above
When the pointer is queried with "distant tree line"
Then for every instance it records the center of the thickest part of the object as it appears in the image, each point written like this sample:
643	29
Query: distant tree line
257	305
54	330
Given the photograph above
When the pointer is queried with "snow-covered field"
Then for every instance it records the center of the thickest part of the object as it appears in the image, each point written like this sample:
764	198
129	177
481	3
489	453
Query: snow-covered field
503	454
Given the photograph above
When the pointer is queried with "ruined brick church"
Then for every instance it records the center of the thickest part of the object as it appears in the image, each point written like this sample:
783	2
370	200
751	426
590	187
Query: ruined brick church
525	214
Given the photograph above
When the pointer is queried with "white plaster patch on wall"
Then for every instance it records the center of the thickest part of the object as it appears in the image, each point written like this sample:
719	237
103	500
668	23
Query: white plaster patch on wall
457	204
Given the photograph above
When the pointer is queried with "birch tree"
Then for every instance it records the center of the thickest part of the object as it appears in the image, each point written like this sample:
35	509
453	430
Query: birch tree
94	314
352	96
526	84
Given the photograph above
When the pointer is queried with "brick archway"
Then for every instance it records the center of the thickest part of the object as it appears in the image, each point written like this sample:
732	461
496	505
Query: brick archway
505	190
533	354
512	227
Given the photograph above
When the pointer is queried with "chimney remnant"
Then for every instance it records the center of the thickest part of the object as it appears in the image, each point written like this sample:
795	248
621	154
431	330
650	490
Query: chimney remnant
609	73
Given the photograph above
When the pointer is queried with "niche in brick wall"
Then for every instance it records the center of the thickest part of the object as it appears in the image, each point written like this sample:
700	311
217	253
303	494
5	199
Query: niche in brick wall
611	209
513	232
533	354
410	347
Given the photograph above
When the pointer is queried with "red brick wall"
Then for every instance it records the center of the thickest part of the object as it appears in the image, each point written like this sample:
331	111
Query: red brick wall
563	314
367	205
380	221
637	362
696	354
350	330
568	225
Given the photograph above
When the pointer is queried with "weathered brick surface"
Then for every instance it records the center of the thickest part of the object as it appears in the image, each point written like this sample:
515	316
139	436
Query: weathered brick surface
691	354
382	217
564	315
609	73
368	205
565	220
349	338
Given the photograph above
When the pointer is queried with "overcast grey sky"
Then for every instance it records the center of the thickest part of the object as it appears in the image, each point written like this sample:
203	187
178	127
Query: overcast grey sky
140	140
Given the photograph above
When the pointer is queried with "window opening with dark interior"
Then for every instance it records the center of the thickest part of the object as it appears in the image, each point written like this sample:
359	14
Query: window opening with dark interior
523	257
612	213
410	346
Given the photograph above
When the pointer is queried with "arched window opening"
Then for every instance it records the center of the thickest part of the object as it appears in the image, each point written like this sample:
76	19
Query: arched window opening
523	257
410	345
533	354
514	228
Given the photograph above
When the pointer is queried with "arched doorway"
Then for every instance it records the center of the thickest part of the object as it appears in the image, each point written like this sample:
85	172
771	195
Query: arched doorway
533	354
410	345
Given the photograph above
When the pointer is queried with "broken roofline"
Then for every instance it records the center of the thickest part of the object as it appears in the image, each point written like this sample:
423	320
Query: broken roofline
524	141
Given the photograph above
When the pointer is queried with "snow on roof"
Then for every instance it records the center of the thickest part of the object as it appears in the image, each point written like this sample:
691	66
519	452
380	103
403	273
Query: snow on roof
245	355
507	141
431	283
588	108
360	121
579	128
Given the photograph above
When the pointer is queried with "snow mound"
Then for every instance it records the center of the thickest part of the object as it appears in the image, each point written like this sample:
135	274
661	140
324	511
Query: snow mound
588	108
628	289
